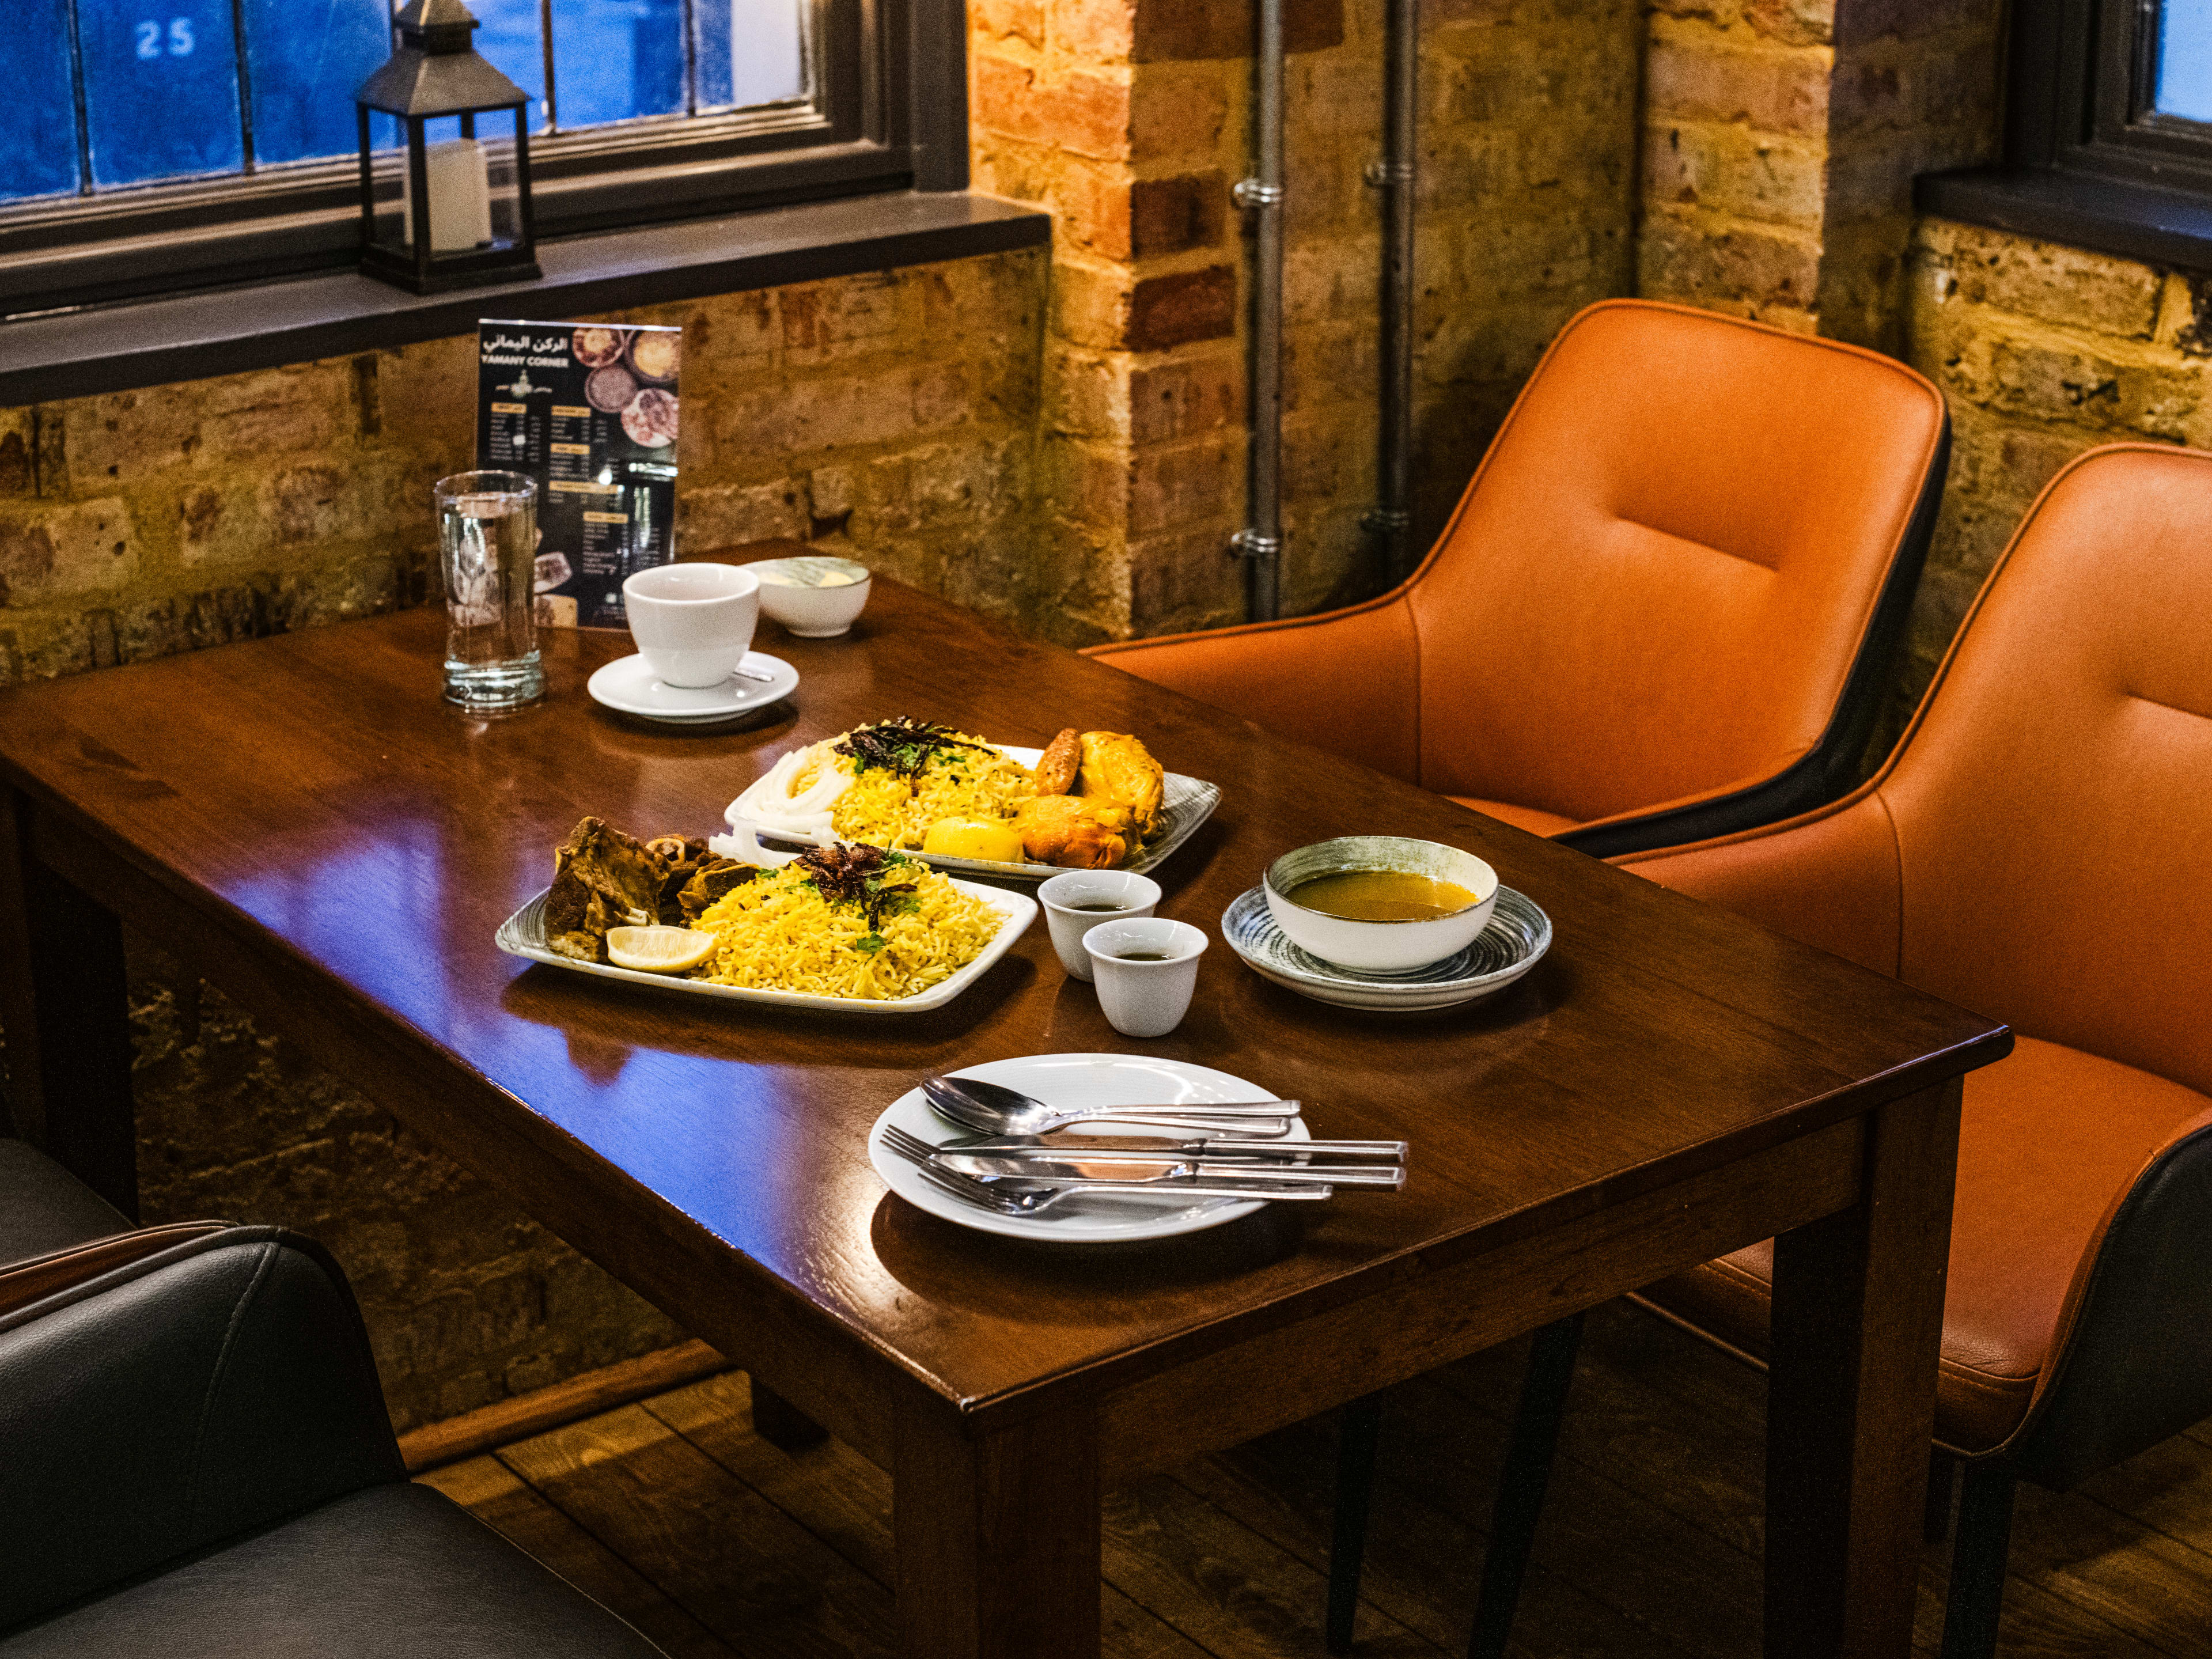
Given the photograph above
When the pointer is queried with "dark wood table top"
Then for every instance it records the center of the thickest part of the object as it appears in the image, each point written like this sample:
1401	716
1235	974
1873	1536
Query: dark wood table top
312	793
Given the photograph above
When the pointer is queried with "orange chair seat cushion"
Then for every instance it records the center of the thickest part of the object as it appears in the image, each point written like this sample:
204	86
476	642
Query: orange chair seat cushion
2050	1138
1533	819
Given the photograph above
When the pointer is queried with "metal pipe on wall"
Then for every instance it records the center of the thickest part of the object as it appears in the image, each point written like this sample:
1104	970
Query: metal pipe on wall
1260	542
1392	519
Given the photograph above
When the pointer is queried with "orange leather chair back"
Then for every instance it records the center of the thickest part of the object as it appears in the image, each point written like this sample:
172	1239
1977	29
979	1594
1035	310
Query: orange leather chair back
1659	579
2052	805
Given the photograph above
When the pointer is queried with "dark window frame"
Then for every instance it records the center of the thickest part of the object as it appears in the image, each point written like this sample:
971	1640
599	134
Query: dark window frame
2084	81
2087	158
889	112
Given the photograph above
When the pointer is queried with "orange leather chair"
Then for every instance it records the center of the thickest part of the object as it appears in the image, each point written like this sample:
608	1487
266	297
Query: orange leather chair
1661	612
2040	848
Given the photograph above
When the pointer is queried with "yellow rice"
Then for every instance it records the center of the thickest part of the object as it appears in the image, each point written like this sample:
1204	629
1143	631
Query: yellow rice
778	933
887	811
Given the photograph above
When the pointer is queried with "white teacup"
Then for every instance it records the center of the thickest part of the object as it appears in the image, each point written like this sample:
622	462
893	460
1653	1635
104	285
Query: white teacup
1146	971
693	622
1081	900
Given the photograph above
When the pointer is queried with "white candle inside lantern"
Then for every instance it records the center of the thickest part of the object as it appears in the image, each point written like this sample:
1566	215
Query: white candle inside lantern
460	196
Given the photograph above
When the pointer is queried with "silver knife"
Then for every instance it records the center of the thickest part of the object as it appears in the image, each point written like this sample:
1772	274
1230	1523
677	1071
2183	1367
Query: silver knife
1140	1172
1060	1143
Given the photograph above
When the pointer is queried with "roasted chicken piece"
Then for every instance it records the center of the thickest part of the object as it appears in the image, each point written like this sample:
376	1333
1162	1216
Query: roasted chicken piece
1055	771
602	878
1076	834
1119	769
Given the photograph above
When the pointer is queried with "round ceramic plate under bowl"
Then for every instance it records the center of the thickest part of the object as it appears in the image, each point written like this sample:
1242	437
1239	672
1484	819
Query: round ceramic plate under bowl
1514	941
628	685
1079	1080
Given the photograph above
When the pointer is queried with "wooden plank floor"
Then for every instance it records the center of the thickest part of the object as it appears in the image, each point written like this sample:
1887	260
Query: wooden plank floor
675	1513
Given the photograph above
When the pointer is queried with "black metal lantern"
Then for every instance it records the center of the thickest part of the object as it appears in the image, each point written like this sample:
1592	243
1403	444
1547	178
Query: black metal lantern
461	215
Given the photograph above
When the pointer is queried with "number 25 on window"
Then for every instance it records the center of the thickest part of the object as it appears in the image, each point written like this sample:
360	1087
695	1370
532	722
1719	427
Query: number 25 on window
180	37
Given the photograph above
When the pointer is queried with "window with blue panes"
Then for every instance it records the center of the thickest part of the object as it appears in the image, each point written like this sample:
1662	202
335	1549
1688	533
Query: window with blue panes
113	94
2184	60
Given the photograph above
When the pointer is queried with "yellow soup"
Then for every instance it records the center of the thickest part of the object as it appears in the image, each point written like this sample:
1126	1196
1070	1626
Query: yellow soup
1381	895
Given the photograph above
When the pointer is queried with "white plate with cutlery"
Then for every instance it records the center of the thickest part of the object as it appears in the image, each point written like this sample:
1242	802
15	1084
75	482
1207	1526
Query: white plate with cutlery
1080	1080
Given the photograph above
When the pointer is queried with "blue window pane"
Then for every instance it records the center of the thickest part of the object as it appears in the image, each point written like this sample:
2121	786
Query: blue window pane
2185	59
507	35
306	57
38	116
160	88
616	60
749	52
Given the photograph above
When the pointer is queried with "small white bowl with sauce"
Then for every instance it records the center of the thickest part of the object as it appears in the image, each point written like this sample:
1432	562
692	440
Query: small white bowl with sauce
1382	904
814	596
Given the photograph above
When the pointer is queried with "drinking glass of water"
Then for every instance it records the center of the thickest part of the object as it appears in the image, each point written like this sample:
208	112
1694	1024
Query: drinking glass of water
488	531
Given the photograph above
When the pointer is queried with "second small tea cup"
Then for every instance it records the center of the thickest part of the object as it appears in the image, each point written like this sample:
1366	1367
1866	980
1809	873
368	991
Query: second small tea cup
1146	971
1081	900
693	622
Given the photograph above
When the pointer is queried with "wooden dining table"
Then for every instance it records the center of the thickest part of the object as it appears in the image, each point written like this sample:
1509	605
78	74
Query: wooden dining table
306	824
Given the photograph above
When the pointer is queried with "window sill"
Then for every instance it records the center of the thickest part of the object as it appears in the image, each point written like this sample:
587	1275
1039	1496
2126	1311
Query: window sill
2106	215
193	336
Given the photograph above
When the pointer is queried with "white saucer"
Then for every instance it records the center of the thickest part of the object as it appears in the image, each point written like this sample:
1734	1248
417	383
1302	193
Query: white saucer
628	685
1079	1080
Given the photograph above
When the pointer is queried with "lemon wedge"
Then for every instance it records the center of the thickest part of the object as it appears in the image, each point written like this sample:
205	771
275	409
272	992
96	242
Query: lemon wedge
658	950
971	838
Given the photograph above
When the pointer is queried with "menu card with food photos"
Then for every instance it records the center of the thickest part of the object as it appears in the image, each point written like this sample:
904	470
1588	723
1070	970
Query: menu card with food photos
588	410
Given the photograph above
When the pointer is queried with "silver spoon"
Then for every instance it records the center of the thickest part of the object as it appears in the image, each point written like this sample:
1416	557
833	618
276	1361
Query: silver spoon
996	1110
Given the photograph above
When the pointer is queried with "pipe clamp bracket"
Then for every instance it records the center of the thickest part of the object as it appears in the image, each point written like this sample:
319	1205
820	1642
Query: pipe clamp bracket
1386	519
1380	174
1251	545
1251	193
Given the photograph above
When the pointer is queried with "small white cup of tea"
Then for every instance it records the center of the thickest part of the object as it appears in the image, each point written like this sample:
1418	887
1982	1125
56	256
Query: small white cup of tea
1081	900
693	622
1146	971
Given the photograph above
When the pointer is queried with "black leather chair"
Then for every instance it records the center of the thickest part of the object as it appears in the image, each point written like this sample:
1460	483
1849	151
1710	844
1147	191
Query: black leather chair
195	1461
43	1207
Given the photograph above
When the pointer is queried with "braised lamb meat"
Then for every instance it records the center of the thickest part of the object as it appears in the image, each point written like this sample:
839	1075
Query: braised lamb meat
708	883
602	878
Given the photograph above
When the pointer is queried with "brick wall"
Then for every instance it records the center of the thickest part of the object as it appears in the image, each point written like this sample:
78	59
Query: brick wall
888	415
1130	119
1780	142
2043	351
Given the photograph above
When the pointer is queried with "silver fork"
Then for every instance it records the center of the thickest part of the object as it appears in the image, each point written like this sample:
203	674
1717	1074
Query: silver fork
969	1192
1040	1193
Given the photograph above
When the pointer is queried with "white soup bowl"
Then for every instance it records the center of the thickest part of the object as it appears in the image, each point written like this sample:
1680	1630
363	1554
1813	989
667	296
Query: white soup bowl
792	593
1380	947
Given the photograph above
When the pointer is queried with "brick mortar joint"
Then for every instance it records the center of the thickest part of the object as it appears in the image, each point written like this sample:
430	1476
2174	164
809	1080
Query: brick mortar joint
2043	330
1657	118
1696	214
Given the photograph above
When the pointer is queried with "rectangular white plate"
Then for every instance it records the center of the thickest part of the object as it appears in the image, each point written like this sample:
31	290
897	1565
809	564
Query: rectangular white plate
523	935
1185	804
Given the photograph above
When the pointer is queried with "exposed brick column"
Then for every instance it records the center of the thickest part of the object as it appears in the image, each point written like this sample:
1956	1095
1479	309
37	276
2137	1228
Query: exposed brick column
1780	142
1735	103
1128	119
1915	89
